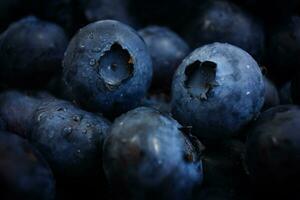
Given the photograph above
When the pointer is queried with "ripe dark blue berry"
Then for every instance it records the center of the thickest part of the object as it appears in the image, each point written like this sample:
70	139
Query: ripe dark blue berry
31	52
217	90
167	51
148	156
24	173
107	67
273	149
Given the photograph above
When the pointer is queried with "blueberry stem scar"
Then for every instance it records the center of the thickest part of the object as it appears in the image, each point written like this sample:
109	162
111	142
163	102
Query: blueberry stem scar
115	66
201	78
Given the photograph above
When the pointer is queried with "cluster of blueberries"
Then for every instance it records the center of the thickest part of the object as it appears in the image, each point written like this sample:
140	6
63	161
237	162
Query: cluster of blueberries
200	103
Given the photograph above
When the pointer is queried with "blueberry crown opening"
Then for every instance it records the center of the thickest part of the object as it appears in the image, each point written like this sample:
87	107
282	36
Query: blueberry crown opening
201	78
115	66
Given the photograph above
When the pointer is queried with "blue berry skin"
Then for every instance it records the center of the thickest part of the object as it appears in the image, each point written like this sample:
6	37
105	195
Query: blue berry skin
16	110
147	156
31	51
167	51
217	90
24	173
223	21
70	139
273	149
107	67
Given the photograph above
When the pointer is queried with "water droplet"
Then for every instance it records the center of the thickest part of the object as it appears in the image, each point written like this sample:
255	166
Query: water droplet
76	118
84	131
248	93
121	123
91	36
78	150
96	50
93	62
88	125
39	117
68	130
248	66
81	46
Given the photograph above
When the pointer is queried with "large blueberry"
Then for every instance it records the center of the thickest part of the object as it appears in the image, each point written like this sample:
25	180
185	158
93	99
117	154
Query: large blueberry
273	149
167	51
31	52
148	156
107	67
23	172
217	89
222	21
70	139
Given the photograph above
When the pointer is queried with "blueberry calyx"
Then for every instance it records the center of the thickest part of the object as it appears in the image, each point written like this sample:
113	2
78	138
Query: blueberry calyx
201	78
115	66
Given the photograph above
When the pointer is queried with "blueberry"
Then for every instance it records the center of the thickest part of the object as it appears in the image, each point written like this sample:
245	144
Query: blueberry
107	67
273	149
167	51
31	51
69	138
217	89
24	174
148	155
223	21
271	95
284	48
16	110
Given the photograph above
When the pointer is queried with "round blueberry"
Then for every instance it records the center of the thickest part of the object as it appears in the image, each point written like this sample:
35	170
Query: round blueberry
223	21
24	173
217	90
70	139
31	52
107	67
273	148
148	155
167	51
